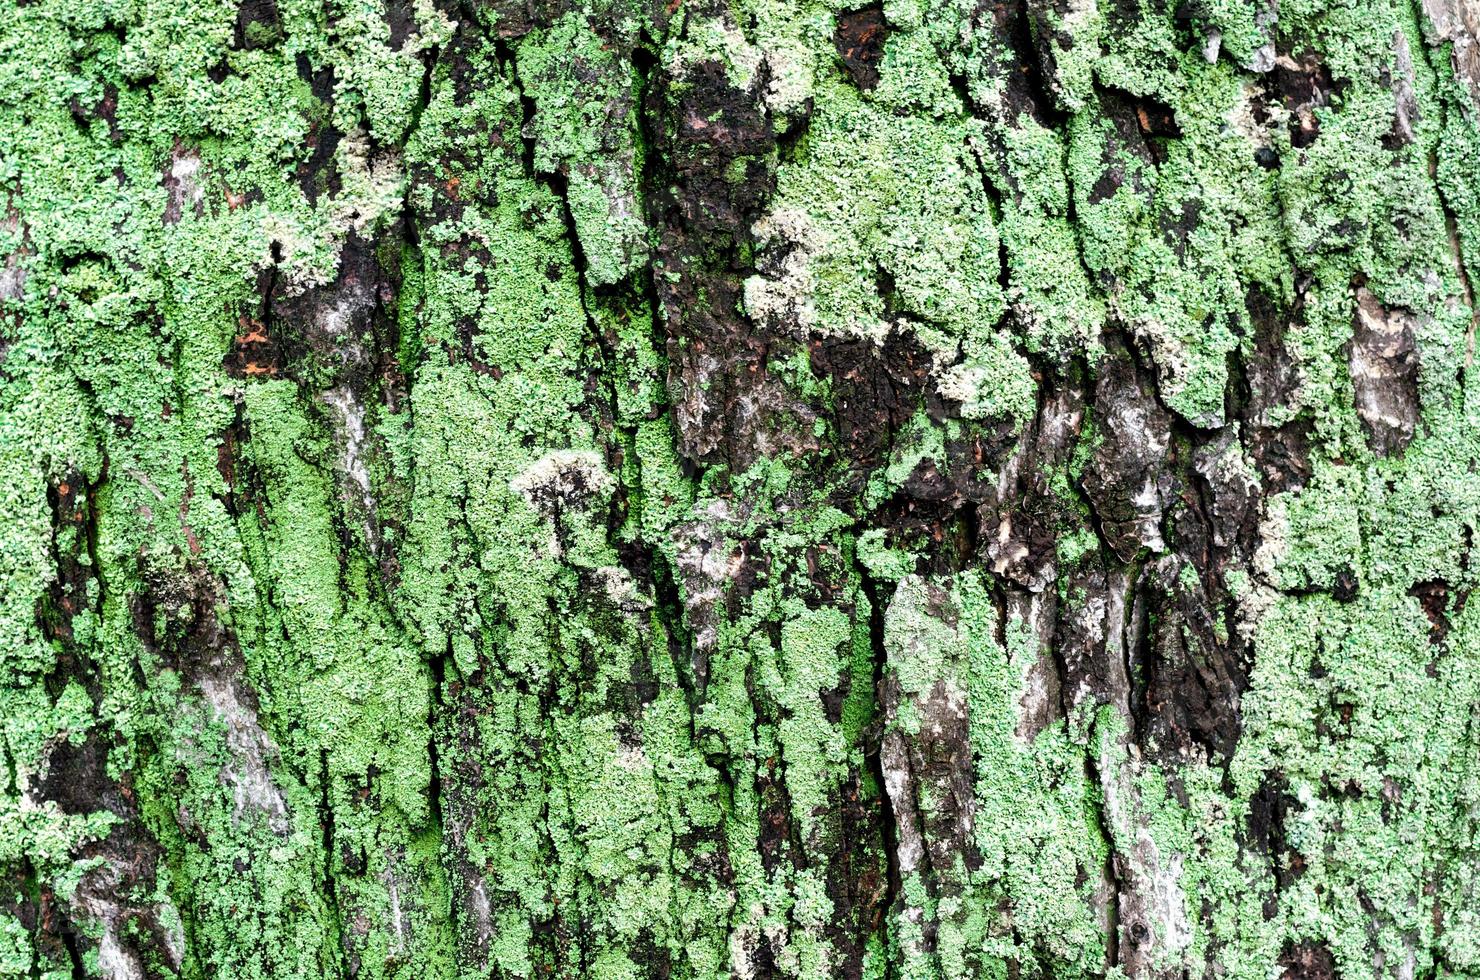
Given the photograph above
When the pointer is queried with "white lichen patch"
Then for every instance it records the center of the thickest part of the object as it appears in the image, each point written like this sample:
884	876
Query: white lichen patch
481	908
371	184
12	279
781	293
618	586
349	419
183	186
566	478
339	318
708	560
1274	538
1156	929
744	942
1255	118
789	77
400	923
247	772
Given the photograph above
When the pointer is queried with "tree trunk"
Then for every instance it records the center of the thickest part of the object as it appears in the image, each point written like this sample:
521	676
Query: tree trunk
685	489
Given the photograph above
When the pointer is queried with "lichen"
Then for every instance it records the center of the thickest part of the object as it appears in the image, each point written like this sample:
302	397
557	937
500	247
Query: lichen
367	608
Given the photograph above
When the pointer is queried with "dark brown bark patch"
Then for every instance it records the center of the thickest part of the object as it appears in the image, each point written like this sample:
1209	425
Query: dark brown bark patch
860	38
317	173
718	144
1304	84
254	353
1195	679
1433	596
877	390
258	25
76	775
1308	961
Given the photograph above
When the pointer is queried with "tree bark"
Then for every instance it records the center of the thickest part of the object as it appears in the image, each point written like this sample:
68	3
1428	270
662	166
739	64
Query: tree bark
932	489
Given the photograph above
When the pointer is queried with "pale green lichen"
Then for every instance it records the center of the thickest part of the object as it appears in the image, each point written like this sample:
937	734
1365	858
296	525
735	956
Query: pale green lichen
587	776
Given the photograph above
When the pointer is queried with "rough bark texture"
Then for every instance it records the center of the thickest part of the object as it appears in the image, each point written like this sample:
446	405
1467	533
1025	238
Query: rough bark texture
625	489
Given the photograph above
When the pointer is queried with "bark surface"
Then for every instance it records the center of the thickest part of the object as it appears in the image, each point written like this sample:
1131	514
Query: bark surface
776	488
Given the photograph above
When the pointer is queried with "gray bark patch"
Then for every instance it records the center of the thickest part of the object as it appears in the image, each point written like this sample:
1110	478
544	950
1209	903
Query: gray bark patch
1384	368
